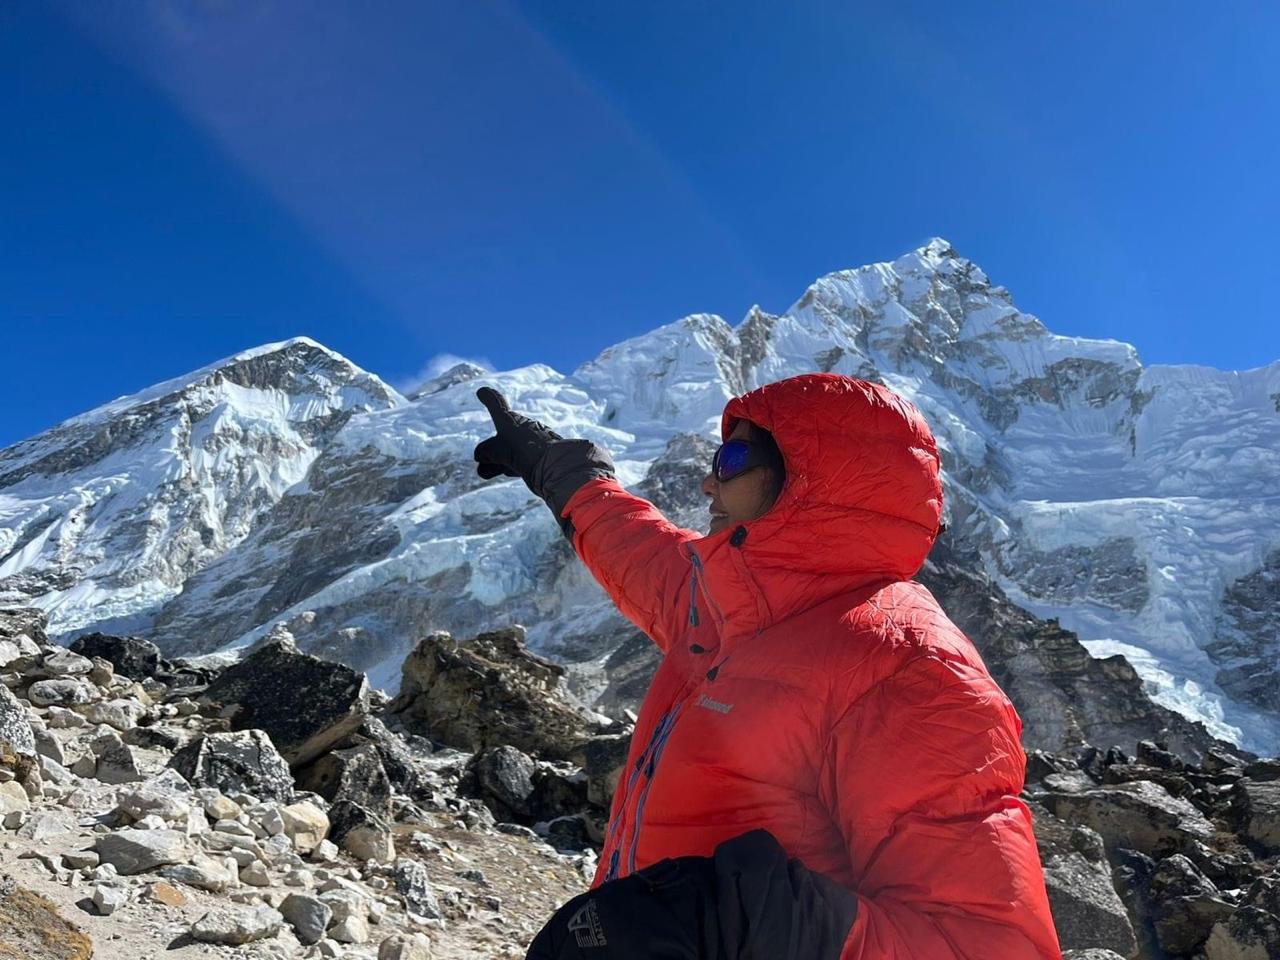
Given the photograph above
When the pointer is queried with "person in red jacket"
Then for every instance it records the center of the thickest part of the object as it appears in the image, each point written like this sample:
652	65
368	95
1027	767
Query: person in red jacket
822	766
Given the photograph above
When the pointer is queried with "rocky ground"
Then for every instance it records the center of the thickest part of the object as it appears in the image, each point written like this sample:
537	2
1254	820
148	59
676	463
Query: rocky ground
278	808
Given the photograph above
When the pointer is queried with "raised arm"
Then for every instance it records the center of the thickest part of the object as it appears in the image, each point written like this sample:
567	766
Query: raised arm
634	553
630	548
923	777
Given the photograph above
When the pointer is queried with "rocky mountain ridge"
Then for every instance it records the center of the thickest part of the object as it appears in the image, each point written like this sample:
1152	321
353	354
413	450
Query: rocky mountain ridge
1133	505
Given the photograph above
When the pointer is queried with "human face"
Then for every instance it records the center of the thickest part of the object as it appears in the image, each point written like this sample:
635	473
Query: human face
745	497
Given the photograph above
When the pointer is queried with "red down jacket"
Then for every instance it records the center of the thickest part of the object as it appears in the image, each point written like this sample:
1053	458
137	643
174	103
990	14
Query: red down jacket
809	687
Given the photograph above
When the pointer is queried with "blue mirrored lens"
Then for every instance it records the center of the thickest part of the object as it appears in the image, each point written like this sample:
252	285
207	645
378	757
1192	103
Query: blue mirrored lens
731	459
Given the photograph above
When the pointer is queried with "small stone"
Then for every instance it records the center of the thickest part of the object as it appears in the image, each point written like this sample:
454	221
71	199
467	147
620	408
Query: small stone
354	929
62	692
46	825
80	860
256	874
167	894
135	851
120	714
202	873
309	916
217	807
108	899
326	851
403	946
305	824
237	925
413	884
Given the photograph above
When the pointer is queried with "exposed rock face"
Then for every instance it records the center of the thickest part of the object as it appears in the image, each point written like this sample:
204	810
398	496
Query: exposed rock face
236	762
490	692
1064	696
1247	644
304	704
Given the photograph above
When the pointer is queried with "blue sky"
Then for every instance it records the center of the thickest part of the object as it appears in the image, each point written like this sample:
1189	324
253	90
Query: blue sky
526	182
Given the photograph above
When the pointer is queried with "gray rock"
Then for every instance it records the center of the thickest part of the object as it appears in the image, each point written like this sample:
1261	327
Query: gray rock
120	714
240	762
167	795
354	774
153	738
414	885
488	693
234	926
353	929
360	832
605	758
17	744
1250	934
309	916
62	692
115	762
17	652
202	873
1260	810
108	899
1140	815
136	851
1185	905
305	704
403	946
47	824
1087	911
504	780
60	662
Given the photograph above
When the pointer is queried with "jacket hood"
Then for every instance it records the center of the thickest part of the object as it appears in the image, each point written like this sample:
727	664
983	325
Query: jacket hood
861	505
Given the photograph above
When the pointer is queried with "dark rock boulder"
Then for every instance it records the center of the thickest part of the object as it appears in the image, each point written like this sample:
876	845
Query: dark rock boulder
503	779
360	832
306	705
488	693
1087	911
605	757
1140	815
1258	804
132	657
398	760
355	774
240	762
1184	905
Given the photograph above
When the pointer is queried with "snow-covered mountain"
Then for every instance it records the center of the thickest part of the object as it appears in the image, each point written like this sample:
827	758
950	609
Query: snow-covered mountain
1138	506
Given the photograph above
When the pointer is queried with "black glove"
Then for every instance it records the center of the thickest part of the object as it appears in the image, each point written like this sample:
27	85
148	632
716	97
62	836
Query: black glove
747	902
551	466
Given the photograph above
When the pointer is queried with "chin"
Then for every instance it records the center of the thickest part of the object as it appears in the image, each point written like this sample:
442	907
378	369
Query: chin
716	526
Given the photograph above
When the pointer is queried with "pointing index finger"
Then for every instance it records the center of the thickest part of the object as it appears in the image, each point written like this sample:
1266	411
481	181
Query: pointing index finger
495	403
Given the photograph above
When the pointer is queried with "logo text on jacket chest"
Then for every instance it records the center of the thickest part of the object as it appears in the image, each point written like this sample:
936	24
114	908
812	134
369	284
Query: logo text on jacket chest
716	705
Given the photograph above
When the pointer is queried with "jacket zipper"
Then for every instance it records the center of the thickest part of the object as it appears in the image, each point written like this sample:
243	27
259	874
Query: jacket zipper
652	768
693	591
618	826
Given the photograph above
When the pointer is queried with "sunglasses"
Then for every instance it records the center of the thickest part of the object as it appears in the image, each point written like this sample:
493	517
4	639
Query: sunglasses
735	457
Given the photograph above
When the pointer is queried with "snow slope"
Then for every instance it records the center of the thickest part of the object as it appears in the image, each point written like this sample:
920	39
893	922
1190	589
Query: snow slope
1126	501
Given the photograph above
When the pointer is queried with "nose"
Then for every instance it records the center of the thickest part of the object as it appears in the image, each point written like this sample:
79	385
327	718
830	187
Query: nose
710	485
